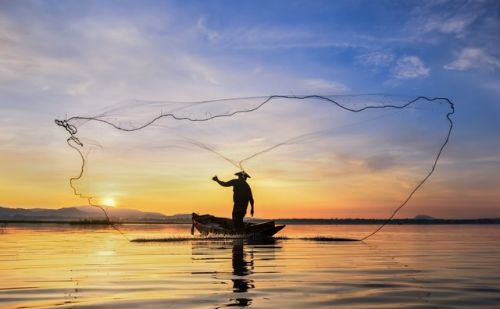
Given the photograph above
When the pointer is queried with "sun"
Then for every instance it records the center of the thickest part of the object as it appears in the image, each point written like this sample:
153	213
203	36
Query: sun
109	201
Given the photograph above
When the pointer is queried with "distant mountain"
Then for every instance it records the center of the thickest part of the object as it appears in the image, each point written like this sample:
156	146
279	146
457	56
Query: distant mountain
423	217
92	213
80	213
41	214
121	213
181	217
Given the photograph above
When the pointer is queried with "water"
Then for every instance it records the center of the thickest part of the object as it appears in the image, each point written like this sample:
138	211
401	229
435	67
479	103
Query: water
47	266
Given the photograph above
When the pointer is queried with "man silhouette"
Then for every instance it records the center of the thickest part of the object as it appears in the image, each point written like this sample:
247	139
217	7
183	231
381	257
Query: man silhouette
242	194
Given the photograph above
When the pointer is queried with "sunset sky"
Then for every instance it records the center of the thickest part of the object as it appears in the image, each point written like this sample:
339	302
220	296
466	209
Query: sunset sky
65	58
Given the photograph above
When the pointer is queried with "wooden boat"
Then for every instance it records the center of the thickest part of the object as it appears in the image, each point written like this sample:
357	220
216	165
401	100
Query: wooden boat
208	224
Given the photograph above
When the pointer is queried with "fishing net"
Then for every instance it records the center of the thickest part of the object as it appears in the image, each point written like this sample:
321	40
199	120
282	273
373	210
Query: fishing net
308	156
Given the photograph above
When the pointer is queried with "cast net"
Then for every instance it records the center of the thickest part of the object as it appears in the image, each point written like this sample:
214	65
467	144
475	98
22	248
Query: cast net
308	156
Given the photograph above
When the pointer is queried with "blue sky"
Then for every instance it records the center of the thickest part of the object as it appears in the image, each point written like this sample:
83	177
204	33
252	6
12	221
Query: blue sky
72	57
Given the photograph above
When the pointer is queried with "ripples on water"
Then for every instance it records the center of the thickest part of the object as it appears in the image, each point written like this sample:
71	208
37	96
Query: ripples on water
47	266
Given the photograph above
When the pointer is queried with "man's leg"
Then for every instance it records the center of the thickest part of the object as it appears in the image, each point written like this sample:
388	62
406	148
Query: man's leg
238	221
239	211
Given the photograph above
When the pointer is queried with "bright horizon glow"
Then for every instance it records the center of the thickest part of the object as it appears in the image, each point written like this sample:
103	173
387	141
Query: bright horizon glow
109	201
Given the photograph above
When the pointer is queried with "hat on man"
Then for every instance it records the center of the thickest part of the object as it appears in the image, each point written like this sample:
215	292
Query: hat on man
242	173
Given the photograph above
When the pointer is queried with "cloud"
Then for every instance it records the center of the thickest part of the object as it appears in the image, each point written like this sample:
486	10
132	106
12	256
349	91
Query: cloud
202	28
260	38
410	67
321	85
278	36
376	58
380	162
448	17
474	58
453	25
106	58
200	70
493	85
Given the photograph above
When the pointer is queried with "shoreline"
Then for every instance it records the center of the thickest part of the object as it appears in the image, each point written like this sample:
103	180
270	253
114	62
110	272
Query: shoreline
279	221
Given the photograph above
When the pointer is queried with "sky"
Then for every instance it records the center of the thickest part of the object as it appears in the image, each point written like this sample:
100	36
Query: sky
65	58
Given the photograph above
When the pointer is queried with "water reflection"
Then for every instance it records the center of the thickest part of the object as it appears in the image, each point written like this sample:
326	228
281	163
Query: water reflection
49	266
242	269
244	257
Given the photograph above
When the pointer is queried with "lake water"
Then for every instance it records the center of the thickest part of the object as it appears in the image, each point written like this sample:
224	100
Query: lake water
405	266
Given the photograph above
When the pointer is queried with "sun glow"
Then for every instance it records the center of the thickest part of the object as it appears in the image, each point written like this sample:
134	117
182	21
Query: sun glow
109	201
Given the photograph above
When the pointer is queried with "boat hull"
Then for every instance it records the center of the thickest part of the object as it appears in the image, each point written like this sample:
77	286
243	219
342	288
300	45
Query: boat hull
208	224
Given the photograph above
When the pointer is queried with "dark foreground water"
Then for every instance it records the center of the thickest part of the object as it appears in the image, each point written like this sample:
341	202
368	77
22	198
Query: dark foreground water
47	266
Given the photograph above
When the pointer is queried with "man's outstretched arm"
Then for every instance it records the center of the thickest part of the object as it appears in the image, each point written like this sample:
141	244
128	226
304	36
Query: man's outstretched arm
222	183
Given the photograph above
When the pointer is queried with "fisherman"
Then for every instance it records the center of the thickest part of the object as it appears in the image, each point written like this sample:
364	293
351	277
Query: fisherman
241	196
